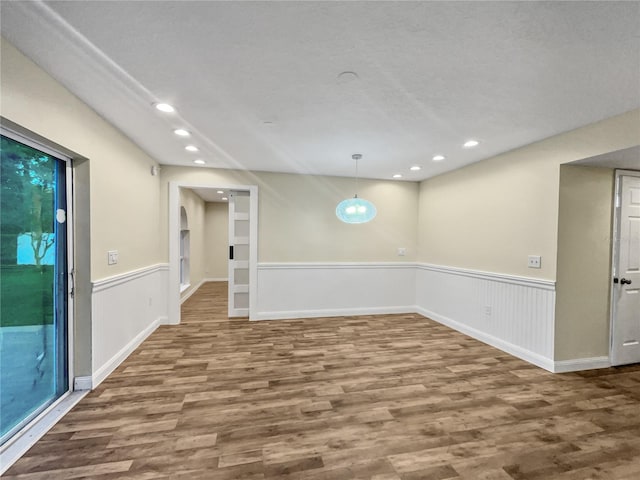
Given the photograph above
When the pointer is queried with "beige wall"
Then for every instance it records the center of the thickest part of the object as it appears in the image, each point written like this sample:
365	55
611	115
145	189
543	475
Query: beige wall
124	196
216	240
297	221
116	197
491	215
194	206
584	262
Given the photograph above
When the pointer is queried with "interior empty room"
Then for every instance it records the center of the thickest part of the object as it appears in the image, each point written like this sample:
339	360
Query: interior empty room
320	240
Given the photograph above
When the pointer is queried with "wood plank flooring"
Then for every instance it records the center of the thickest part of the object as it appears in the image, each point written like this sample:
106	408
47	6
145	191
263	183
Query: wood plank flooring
376	397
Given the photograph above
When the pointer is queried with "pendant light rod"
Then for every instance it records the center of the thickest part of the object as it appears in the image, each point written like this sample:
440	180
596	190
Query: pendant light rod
356	157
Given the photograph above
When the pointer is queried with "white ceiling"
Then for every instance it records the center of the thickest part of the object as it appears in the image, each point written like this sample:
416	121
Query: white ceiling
211	194
259	85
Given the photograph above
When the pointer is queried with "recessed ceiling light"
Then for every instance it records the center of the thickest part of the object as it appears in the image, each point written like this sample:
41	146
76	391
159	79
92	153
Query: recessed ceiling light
470	143
182	132
438	158
347	77
397	175
191	148
165	107
220	192
415	168
199	162
225	198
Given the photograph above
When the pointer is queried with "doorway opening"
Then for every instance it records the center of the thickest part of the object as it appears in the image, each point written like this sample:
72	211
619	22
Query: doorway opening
185	250
241	256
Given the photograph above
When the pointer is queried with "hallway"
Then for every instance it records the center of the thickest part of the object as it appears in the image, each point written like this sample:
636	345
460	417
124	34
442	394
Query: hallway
377	397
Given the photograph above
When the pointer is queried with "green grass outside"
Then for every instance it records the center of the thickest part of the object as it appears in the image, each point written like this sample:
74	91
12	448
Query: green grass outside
26	295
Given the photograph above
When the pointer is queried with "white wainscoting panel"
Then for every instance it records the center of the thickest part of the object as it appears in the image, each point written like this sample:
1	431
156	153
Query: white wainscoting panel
126	309
184	295
303	290
514	314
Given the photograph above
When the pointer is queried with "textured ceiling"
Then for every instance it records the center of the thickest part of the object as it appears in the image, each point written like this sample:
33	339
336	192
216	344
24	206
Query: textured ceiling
259	85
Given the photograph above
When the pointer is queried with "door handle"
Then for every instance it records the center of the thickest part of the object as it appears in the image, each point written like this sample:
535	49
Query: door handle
72	283
624	281
230	252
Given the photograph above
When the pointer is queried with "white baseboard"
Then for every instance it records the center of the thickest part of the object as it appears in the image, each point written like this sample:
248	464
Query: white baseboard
344	312
579	364
191	291
105	370
514	350
200	283
82	383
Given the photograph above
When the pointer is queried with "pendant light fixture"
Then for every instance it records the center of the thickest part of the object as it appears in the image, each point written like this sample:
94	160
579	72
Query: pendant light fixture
356	210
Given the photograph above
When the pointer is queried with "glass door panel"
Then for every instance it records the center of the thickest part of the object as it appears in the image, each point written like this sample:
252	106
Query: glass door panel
33	284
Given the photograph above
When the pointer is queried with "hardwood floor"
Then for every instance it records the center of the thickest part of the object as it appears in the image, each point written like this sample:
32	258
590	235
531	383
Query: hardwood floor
377	397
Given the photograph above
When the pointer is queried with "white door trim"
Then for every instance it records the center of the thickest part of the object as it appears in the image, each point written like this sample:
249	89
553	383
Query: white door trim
173	294
615	236
42	144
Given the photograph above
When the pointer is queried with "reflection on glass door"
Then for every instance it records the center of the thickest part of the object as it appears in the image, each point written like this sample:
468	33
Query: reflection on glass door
33	284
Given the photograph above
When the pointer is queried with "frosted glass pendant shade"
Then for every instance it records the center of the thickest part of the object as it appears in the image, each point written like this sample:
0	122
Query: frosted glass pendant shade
356	210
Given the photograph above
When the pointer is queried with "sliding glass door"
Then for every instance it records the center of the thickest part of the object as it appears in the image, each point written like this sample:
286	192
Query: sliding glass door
33	283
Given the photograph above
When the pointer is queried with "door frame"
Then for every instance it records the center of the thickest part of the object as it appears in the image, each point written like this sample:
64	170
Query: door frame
25	138
615	240
173	293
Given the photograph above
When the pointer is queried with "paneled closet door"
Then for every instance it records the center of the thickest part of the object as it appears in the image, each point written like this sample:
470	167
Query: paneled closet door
239	241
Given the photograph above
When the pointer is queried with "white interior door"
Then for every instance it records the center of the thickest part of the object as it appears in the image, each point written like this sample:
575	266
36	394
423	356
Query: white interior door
626	290
239	253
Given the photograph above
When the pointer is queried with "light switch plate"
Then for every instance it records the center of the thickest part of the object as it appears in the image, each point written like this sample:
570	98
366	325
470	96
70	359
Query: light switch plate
112	257
535	261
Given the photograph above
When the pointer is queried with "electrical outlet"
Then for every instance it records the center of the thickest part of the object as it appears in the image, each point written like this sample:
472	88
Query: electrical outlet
535	261
402	251
487	310
112	257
